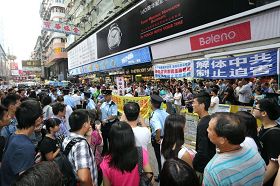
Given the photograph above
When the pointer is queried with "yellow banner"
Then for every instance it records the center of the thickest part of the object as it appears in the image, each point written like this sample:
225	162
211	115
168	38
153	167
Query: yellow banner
144	103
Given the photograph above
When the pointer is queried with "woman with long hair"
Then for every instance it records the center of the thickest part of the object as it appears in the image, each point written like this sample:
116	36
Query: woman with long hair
49	146
120	165
250	122
173	141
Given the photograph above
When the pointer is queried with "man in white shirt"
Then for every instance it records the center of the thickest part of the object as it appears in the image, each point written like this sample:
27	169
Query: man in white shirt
77	98
245	93
141	132
214	105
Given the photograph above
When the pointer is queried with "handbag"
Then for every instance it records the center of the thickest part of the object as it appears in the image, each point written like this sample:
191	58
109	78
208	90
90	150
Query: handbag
144	179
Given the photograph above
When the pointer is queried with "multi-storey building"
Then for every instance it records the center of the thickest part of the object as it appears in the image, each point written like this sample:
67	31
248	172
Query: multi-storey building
50	46
4	65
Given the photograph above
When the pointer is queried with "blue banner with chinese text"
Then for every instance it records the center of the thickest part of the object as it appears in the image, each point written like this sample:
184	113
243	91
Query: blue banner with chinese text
247	66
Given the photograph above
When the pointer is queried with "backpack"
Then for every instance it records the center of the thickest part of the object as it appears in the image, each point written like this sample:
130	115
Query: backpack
65	167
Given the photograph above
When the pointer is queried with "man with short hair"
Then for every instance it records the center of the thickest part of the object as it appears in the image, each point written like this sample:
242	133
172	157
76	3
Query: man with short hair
19	153
131	116
11	102
5	119
109	115
232	164
59	111
204	147
245	93
80	155
268	111
157	121
68	100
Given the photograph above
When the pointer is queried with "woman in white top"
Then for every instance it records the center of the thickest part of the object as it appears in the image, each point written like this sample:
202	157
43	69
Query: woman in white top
173	141
214	101
47	109
251	139
178	100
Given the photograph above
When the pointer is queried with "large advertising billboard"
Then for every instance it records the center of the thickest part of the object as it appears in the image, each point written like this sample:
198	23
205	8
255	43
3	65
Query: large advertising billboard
151	20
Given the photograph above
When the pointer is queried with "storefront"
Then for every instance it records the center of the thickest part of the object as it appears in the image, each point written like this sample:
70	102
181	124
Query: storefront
138	73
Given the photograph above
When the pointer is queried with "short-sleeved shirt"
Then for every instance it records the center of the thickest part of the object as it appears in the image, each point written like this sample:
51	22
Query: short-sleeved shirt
117	178
90	104
68	100
242	167
142	136
270	147
18	157
108	109
157	121
47	145
81	156
9	129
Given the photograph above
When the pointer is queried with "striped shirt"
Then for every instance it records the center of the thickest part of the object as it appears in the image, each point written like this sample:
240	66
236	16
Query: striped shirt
244	167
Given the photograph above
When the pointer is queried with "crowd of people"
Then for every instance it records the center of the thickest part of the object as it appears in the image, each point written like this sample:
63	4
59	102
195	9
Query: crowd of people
76	136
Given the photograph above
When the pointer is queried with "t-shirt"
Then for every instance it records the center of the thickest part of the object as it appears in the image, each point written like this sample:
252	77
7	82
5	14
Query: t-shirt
142	136
243	167
270	147
215	100
47	145
204	147
178	101
18	157
117	178
250	143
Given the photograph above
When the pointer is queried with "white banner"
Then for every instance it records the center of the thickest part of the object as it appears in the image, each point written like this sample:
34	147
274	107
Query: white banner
183	69
120	85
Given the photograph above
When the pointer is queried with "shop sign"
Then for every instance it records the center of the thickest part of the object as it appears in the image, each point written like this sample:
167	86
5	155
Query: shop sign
231	34
65	28
247	66
155	20
142	70
178	70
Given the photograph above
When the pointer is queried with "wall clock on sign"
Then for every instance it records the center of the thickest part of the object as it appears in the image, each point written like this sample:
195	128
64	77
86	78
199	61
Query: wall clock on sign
114	36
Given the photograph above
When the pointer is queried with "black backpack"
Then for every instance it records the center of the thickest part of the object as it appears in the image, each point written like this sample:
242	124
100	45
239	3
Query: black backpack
65	167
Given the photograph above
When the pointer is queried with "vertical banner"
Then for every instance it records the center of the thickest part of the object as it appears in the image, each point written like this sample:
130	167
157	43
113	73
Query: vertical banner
120	85
178	70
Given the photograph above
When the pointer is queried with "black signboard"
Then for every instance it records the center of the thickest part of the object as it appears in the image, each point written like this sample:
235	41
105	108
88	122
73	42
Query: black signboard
155	19
31	63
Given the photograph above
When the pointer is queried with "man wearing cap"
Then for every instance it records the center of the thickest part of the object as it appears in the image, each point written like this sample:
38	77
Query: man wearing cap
109	115
157	120
89	103
68	100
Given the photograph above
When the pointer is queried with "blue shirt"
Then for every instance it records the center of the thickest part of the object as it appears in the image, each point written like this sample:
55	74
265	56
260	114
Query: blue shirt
9	129
63	132
68	100
18	157
108	109
90	104
157	121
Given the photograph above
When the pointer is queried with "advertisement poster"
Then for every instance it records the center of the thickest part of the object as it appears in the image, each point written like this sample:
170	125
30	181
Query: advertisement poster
156	19
190	128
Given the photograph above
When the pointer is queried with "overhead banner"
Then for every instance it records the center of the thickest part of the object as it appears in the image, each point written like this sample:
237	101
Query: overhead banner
156	19
177	70
144	103
120	85
55	26
247	66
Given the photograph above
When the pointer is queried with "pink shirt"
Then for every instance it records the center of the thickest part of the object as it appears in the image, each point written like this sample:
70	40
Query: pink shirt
117	178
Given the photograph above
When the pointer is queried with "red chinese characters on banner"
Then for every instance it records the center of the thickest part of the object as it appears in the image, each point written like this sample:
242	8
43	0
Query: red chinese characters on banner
67	28
76	30
54	26
58	26
47	24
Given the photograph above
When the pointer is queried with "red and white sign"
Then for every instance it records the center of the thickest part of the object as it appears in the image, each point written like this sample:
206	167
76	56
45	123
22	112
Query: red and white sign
227	35
60	27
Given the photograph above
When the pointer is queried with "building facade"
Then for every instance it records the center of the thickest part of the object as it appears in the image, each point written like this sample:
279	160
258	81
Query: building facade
50	46
4	66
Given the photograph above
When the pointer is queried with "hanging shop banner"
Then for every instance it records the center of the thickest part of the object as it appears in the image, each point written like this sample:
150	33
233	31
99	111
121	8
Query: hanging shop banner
120	85
134	57
178	70
247	66
157	19
55	26
144	103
